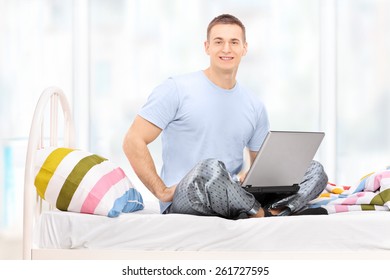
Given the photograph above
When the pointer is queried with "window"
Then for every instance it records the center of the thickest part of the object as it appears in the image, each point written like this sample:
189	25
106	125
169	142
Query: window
36	53
363	88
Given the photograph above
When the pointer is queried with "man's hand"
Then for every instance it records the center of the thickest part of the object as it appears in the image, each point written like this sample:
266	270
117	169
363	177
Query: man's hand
167	194
241	177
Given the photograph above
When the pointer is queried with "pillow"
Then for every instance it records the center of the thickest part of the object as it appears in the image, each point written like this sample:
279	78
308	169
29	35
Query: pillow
79	181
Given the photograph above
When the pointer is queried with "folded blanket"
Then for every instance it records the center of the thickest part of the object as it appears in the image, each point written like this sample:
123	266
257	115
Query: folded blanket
371	193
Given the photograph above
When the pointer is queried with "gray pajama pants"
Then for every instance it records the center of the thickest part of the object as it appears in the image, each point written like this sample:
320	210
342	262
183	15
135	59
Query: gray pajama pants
208	190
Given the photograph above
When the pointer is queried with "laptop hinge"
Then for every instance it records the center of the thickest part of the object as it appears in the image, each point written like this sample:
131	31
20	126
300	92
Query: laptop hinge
272	189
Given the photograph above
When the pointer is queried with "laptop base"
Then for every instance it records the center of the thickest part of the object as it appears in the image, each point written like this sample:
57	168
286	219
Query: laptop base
268	195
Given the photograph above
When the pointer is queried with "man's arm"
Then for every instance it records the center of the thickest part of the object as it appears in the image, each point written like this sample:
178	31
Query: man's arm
251	156
139	135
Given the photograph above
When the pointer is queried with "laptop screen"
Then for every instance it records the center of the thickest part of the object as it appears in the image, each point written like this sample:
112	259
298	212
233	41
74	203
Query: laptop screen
283	158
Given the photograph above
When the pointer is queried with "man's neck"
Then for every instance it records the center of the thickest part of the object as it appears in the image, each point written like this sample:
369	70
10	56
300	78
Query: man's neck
224	80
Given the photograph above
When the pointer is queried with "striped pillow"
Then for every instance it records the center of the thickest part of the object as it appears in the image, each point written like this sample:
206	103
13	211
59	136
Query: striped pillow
78	181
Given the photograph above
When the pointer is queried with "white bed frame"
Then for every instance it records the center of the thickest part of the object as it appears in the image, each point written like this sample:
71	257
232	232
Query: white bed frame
33	205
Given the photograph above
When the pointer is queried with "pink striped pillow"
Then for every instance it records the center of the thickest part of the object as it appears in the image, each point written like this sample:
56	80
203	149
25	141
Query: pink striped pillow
79	181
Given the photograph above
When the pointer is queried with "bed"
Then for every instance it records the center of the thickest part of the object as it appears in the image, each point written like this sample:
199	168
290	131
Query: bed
143	233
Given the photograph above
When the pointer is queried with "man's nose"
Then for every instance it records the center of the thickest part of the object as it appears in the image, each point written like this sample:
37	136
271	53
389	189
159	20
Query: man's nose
226	47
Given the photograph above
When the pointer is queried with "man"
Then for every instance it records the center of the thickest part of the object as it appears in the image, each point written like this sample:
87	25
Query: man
206	119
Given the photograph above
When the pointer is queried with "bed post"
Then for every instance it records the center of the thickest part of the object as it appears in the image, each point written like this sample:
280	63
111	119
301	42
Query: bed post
36	140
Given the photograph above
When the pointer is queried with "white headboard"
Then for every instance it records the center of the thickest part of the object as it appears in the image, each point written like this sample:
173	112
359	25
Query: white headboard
40	138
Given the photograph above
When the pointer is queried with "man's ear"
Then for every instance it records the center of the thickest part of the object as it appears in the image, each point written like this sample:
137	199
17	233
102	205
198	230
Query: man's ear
245	49
206	46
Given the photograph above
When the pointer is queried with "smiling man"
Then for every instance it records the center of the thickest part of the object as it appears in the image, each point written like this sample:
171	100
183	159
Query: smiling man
226	45
206	120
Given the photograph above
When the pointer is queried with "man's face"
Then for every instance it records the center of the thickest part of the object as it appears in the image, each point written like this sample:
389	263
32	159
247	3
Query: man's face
225	46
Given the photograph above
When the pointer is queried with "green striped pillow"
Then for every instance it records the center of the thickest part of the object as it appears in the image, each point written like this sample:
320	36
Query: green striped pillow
79	181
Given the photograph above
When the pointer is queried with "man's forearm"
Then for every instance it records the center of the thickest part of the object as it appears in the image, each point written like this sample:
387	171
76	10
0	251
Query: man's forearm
143	165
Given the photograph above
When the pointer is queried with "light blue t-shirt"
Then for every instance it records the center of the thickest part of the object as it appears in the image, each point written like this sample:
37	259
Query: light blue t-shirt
201	120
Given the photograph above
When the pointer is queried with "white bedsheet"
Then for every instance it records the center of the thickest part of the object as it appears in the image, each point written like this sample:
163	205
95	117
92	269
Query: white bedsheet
148	230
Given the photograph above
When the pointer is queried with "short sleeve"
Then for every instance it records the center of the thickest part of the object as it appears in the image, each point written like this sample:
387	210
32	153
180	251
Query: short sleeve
261	129
162	104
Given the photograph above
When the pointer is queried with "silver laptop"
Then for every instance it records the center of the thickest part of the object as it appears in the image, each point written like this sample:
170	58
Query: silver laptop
282	161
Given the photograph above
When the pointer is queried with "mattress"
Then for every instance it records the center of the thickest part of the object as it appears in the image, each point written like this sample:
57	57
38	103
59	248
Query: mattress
148	230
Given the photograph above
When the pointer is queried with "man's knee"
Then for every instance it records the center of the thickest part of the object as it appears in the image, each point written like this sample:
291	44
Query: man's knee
318	168
318	175
211	164
211	169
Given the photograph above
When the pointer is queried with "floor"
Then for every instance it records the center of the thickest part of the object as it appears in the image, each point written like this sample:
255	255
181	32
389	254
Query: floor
10	248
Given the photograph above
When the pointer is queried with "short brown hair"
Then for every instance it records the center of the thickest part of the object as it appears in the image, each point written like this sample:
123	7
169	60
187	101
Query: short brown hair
225	19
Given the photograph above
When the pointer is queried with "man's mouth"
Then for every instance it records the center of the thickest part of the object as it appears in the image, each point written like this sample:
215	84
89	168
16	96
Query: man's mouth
226	58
